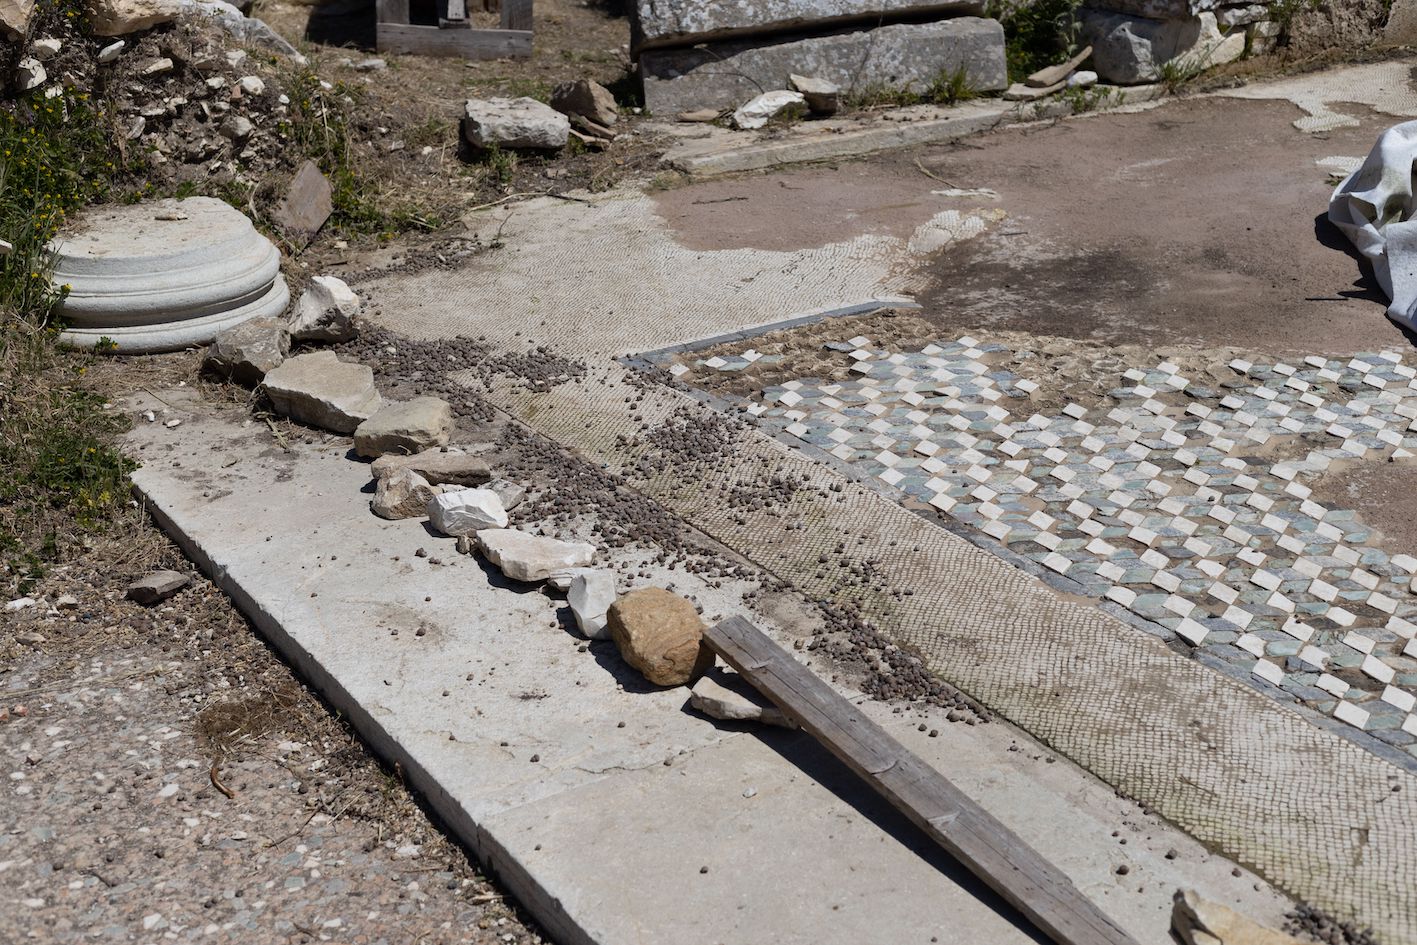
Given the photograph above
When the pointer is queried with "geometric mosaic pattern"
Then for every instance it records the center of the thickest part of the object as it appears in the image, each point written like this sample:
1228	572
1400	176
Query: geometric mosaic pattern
1163	501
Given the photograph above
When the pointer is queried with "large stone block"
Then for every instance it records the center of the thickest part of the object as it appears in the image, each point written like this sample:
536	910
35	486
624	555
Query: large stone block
686	22
725	75
1157	9
1129	50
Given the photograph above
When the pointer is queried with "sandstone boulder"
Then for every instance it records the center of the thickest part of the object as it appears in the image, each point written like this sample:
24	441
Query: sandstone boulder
526	557
402	494
320	390
439	467
660	634
410	426
247	353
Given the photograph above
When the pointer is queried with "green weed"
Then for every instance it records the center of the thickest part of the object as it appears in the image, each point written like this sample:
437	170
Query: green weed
949	87
1036	34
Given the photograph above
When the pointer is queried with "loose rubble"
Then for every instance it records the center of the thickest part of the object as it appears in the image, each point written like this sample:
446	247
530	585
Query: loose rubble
529	558
516	123
590	595
439	467
727	697
403	493
466	512
326	312
319	390
157	587
246	353
408	427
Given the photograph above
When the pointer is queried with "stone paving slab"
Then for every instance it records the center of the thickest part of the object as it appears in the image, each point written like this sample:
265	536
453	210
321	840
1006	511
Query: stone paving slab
526	762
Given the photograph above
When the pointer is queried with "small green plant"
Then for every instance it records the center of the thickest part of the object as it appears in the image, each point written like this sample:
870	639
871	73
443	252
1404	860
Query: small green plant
1037	34
949	87
1083	100
1174	74
502	165
538	89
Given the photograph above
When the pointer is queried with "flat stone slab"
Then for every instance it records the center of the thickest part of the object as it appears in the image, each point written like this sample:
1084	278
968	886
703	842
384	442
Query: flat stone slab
322	391
686	22
517	123
725	75
758	835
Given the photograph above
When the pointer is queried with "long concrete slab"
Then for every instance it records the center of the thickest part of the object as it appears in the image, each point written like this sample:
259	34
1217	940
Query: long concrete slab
668	829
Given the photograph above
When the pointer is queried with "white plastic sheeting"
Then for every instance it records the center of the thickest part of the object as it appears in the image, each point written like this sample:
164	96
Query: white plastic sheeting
1374	207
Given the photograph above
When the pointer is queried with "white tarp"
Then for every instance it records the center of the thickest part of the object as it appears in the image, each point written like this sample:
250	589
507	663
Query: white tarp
1374	207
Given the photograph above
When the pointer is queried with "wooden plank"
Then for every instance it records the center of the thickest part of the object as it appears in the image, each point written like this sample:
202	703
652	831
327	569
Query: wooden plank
516	14
393	11
469	44
986	847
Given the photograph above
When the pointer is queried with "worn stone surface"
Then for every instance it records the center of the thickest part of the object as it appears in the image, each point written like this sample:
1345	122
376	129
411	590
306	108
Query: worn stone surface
402	494
730	698
725	75
410	426
586	98
1129	50
518	123
561	580
590	595
1401	27
687	22
823	97
320	390
762	109
157	587
1156	9
660	634
326	311
526	557
246	353
466	511
15	17
121	17
439	467
509	492
1244	15
1199	921
306	206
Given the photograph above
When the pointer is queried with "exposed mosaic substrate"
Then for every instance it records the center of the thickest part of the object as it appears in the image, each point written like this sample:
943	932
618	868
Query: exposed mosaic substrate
1161	502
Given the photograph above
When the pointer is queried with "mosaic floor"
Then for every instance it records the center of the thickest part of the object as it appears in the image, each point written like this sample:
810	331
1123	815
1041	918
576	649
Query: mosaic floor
1167	500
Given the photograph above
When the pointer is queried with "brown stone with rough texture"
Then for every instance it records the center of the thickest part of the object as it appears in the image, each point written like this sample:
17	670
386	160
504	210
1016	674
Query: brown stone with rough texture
307	205
402	494
659	633
409	426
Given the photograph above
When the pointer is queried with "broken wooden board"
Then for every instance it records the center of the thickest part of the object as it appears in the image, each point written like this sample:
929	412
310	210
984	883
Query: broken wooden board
988	849
469	44
1052	75
1018	92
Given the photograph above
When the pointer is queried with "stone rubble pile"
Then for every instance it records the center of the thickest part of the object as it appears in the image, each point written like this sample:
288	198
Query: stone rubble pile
695	56
1141	41
524	124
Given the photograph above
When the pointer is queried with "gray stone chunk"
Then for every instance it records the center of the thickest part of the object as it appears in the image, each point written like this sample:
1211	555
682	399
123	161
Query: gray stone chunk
320	390
509	492
526	557
823	97
587	99
411	426
326	311
246	353
466	512
514	123
687	22
439	467
590	595
1129	50
903	56
157	587
401	494
737	701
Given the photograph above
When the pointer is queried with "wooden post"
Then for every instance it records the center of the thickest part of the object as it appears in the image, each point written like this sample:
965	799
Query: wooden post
516	14
986	847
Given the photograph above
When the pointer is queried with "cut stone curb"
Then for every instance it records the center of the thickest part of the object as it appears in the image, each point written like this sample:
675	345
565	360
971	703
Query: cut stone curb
689	22
566	834
320	390
901	56
410	426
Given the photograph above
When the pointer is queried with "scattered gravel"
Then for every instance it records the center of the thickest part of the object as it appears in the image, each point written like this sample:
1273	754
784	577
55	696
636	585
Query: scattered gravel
1312	922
